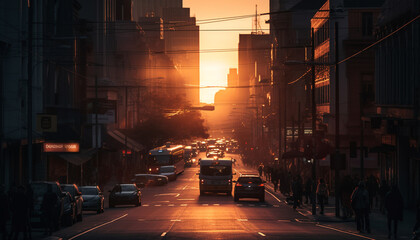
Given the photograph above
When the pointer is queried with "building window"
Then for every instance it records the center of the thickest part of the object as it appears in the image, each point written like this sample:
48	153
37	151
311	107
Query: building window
367	23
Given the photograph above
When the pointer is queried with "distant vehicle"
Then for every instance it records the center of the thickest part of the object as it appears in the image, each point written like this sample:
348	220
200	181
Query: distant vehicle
39	189
165	156
220	144
202	146
69	210
249	186
93	198
211	142
194	147
188	153
215	175
168	171
215	153
144	180
77	198
125	194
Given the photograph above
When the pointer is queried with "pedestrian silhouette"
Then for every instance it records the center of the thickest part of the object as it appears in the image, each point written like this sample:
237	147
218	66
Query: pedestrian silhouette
322	194
383	190
4	213
20	213
394	205
360	205
48	205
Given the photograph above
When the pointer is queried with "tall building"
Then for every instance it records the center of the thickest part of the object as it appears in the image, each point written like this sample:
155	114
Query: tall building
355	21
181	41
397	88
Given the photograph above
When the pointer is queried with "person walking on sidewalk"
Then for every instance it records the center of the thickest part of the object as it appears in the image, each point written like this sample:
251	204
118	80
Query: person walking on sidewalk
308	190
360	205
383	190
394	205
297	191
322	194
275	178
260	169
346	189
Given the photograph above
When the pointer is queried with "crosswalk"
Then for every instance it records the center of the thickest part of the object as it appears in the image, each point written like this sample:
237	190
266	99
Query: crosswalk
210	205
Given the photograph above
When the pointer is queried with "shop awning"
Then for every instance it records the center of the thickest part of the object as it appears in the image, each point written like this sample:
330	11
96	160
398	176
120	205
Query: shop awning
120	137
80	157
383	148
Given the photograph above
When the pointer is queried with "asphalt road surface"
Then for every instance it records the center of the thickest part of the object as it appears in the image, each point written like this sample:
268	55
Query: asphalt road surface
176	211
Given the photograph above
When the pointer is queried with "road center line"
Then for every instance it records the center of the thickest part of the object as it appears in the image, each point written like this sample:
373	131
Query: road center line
262	234
103	224
163	234
350	233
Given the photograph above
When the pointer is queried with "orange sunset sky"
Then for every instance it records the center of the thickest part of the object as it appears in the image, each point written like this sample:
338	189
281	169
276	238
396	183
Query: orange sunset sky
214	67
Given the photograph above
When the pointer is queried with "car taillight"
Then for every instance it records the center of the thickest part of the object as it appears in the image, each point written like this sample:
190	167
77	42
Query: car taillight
239	185
202	181
261	185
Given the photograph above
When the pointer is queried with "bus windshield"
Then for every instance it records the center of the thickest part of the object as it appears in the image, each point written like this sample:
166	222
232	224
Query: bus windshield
160	159
214	170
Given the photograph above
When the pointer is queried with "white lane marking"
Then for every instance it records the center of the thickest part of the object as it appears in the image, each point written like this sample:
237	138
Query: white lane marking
262	234
165	194
204	204
176	220
184	205
243	220
216	204
283	220
177	195
103	224
239	205
141	220
186	199
145	205
251	205
273	196
163	234
171	205
157	205
276	206
185	187
346	232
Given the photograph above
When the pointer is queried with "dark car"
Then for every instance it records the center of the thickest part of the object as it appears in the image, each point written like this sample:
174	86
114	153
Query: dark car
69	210
77	198
93	198
125	194
39	189
144	179
249	186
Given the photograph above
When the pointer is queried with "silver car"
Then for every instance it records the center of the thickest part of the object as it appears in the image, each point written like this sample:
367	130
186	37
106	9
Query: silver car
93	198
77	198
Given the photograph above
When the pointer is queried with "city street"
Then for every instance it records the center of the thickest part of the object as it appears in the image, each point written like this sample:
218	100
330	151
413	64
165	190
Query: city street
176	211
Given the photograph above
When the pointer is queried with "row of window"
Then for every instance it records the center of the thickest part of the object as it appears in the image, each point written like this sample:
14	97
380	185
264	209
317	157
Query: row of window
322	94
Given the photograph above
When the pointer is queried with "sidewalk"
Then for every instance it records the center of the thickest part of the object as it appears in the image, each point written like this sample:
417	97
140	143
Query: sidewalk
378	221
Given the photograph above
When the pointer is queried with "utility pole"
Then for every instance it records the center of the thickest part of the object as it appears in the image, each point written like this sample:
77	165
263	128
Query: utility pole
337	125
362	157
96	130
29	92
314	162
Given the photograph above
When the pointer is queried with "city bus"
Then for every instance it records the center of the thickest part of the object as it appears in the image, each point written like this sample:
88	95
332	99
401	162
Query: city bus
215	175
168	155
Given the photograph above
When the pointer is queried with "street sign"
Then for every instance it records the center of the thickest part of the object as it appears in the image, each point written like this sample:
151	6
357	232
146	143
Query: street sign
61	147
46	123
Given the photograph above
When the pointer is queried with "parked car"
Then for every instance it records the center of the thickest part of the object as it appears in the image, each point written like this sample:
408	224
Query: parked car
123	194
39	189
249	186
168	171
93	198
77	197
143	180
69	210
